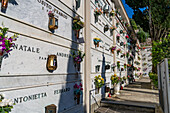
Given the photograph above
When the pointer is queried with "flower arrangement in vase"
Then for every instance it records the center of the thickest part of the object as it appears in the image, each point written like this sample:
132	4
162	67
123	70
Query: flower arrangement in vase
127	37
118	51
124	78
112	28
112	49
97	12
77	58
78	90
118	64
125	66
126	24
115	79
118	37
5	104
99	82
112	13
77	25
96	41
6	44
106	27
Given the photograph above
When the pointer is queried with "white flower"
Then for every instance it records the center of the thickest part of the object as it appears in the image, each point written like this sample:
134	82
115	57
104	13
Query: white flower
10	102
2	104
5	101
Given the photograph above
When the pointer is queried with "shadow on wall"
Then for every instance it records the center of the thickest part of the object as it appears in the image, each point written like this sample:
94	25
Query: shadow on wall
4	4
68	101
103	72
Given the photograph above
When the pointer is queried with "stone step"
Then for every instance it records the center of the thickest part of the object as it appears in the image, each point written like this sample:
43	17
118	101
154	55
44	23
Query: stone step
125	107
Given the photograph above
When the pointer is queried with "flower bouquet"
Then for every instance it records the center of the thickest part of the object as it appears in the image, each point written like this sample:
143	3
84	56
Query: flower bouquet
96	41
138	69
97	12
77	25
112	49
118	37
118	51
115	79
131	56
118	64
6	44
99	82
112	28
78	58
112	13
124	44
126	36
126	24
124	78
78	90
124	32
5	104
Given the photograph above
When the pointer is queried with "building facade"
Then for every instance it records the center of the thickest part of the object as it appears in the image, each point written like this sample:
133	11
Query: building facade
48	34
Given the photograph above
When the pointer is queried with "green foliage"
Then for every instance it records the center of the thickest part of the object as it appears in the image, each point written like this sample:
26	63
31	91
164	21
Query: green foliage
133	23
160	50
142	36
154	79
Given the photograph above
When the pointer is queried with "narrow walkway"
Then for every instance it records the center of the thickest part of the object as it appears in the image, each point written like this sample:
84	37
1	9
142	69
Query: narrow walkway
135	98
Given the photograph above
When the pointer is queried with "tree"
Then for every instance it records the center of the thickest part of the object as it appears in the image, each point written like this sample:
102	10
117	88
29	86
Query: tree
155	18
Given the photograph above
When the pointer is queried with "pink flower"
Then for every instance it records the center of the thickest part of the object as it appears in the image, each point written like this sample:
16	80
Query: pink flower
118	35
81	88
75	86
80	85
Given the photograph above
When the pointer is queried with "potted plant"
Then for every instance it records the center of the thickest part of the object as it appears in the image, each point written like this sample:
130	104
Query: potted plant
118	51
6	43
78	90
112	49
77	25
99	82
112	13
97	12
118	64
77	58
106	27
96	41
118	37
5	104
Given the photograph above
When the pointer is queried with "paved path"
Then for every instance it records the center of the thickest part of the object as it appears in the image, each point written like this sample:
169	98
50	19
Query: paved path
135	98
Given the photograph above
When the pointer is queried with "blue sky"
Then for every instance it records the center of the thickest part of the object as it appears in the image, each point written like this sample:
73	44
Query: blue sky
128	9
